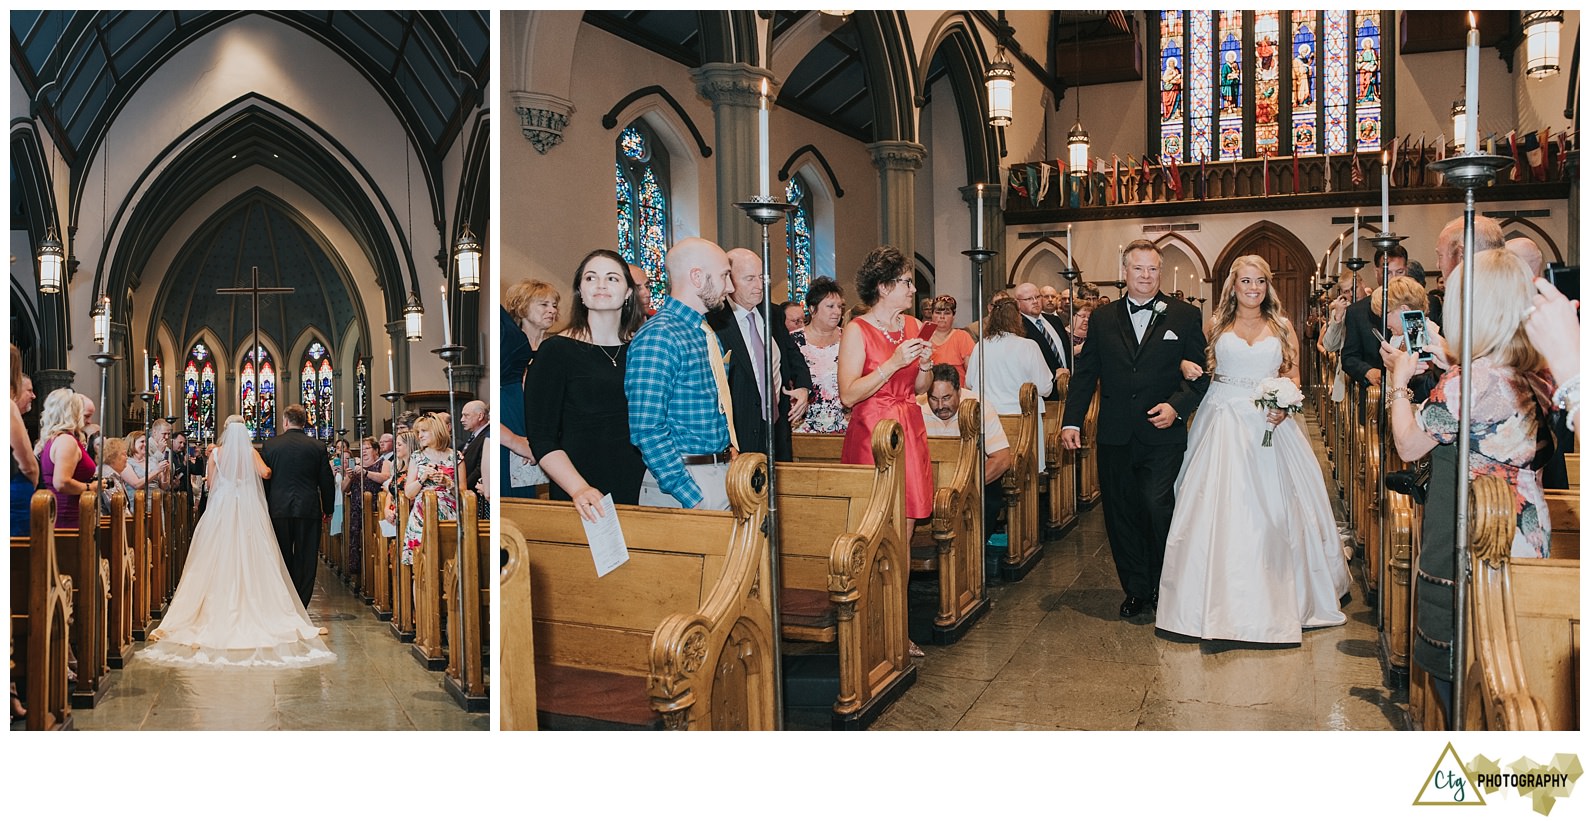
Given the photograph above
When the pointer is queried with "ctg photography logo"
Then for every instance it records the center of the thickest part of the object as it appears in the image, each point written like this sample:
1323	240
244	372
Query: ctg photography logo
1452	783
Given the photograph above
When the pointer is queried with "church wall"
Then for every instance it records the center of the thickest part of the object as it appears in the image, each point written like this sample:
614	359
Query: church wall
944	219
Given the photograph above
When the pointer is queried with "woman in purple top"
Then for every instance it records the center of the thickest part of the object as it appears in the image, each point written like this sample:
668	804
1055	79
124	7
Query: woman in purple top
66	466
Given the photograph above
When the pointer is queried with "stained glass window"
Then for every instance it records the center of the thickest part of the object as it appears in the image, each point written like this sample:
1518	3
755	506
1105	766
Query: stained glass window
798	240
640	179
361	382
198	392
257	394
155	380
1305	83
1246	97
315	391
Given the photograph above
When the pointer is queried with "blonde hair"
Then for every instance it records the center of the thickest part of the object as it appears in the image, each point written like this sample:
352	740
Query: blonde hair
1225	312
63	413
517	298
1505	289
114	449
1404	291
400	463
441	438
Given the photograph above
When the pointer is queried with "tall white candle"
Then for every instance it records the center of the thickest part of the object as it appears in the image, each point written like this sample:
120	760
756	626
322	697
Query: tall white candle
1471	90
447	324
1068	248
146	369
391	371
762	128
977	237
1385	192
1355	232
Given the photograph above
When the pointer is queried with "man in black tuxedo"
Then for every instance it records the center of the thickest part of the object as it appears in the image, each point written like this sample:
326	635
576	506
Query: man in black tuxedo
1360	347
741	329
1133	356
1045	329
301	493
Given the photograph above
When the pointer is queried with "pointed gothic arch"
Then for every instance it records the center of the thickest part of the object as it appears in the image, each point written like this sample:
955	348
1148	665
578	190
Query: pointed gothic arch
1290	260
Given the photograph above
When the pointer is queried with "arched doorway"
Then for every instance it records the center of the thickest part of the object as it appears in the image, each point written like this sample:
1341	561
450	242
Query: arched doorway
1291	264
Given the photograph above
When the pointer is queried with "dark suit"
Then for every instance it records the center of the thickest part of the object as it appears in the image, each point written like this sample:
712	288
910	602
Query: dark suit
749	427
1055	359
1361	350
1138	462
301	491
472	452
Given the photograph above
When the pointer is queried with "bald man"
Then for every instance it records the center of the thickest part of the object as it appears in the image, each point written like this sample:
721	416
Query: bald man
637	276
1529	252
475	418
742	332
1047	331
1449	245
677	417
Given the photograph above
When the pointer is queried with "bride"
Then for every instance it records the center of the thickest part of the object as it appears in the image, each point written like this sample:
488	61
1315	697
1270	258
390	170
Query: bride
235	605
1253	553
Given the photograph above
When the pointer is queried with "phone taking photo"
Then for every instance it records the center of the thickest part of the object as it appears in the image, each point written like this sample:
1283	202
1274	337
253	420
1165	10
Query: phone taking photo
1413	331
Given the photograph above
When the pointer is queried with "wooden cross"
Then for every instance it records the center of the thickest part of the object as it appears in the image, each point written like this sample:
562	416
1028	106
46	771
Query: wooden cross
253	291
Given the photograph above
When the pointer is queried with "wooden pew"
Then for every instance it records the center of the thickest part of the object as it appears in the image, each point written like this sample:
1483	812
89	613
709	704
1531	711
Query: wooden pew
438	544
77	557
1572	460
1060	466
679	637
951	544
160	589
467	660
518	673
143	569
1524	656
368	553
41	611
843	567
1087	459
1020	483
380	548
115	550
402	575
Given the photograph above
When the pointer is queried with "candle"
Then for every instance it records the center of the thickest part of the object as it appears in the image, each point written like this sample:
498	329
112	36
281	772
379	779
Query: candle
1355	232
1068	248
762	127
1471	90
342	414
1385	192
391	374
1175	277
978	237
146	369
447	324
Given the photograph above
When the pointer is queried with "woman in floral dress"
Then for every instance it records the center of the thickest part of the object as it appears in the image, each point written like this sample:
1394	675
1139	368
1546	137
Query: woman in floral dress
430	468
819	343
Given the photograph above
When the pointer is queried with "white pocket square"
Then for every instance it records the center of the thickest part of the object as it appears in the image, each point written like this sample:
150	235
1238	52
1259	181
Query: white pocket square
1170	335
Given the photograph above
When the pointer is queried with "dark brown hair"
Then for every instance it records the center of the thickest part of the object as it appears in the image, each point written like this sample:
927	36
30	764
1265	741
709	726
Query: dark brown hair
629	321
883	264
1004	318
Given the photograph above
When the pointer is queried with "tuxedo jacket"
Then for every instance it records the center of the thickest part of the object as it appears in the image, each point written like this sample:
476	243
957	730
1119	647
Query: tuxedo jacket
1050	356
1361	349
301	485
1132	377
792	373
471	457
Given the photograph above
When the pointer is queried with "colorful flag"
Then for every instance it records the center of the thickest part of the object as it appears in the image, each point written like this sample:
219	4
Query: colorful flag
1517	171
1172	171
1440	154
1115	179
1327	172
1543	167
1358	171
1534	150
1267	174
1392	155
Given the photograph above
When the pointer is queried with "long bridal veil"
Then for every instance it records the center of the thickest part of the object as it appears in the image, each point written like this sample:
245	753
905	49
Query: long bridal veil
235	604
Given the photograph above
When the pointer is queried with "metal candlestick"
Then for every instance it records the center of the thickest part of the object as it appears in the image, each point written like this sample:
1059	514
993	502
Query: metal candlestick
148	396
1466	171
1384	242
451	354
981	256
104	359
765	211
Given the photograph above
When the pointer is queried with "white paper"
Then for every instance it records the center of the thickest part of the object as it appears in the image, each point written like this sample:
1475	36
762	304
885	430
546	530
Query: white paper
606	539
523	474
388	529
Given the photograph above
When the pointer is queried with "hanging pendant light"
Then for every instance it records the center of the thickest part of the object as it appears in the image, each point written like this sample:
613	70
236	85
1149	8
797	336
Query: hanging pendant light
466	252
1460	124
52	263
1001	82
1543	43
413	316
1077	144
101	314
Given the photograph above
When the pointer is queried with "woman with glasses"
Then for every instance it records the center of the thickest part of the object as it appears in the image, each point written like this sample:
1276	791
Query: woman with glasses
951	345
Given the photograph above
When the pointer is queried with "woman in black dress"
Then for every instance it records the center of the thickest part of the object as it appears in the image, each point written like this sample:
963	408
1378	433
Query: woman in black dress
576	415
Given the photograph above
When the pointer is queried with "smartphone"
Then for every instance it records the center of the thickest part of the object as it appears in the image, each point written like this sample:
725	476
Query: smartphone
928	330
1565	277
1413	331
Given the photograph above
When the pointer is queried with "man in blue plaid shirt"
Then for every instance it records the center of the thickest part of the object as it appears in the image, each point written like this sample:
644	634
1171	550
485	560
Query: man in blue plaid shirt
677	416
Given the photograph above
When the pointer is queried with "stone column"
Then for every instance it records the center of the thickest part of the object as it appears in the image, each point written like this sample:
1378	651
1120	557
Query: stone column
542	118
897	162
735	91
396	338
994	273
466	380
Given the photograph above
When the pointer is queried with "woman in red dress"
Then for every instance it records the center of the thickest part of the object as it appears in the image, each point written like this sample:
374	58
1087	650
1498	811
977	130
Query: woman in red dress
882	367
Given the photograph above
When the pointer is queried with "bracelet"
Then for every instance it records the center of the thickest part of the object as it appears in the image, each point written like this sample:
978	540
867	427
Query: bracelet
1403	393
925	368
1567	393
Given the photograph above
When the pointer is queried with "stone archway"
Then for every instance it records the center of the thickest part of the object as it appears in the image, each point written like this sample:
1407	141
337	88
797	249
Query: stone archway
1291	265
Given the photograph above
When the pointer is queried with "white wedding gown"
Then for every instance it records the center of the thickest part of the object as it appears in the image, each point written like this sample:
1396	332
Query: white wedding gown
1253	553
235	605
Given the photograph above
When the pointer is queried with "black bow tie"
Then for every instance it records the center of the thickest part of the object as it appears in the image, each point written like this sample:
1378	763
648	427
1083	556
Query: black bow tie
1134	307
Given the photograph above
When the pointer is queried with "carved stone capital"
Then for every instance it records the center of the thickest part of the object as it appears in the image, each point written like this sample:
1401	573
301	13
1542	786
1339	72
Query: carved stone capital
542	117
897	155
733	84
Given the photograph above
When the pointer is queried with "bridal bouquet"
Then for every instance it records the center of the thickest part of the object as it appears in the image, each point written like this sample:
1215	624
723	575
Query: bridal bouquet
1278	393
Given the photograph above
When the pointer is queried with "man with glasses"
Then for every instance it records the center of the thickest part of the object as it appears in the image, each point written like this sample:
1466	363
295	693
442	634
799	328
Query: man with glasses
1046	329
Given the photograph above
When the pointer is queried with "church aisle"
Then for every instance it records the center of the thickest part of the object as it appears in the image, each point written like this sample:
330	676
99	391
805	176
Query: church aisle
373	685
1053	654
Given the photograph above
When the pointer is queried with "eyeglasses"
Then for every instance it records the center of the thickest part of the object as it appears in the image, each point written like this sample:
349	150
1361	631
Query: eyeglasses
908	281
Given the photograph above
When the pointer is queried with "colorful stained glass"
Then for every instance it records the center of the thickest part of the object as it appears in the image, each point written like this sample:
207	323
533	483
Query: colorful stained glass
1201	67
361	389
327	421
1366	70
155	380
1305	83
640	179
267	401
315	391
198	392
1230	85
798	240
1336	88
1172	110
1266	82
257	394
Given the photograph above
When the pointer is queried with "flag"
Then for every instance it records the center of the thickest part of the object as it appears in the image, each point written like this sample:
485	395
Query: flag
1115	178
1440	154
1203	177
1129	191
1391	157
1517	171
1172	171
1534	150
1043	184
1267	175
1358	171
1542	168
1015	183
1419	162
1562	154
1327	173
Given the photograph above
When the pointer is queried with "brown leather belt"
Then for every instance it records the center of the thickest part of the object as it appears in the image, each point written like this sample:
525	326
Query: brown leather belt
710	458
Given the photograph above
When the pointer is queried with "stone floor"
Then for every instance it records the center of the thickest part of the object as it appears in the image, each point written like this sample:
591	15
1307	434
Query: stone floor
373	685
1053	654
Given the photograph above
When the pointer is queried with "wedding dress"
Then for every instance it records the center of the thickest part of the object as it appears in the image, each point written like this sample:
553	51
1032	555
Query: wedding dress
235	605
1253	553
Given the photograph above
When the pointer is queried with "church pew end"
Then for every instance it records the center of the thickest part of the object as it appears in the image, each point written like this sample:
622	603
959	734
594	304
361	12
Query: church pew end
41	612
1020	482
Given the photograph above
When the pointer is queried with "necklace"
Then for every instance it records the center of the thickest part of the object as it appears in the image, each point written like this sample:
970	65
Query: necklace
611	357
890	335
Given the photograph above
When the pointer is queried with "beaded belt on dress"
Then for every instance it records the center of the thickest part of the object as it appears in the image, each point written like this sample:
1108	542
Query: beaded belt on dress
1235	380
